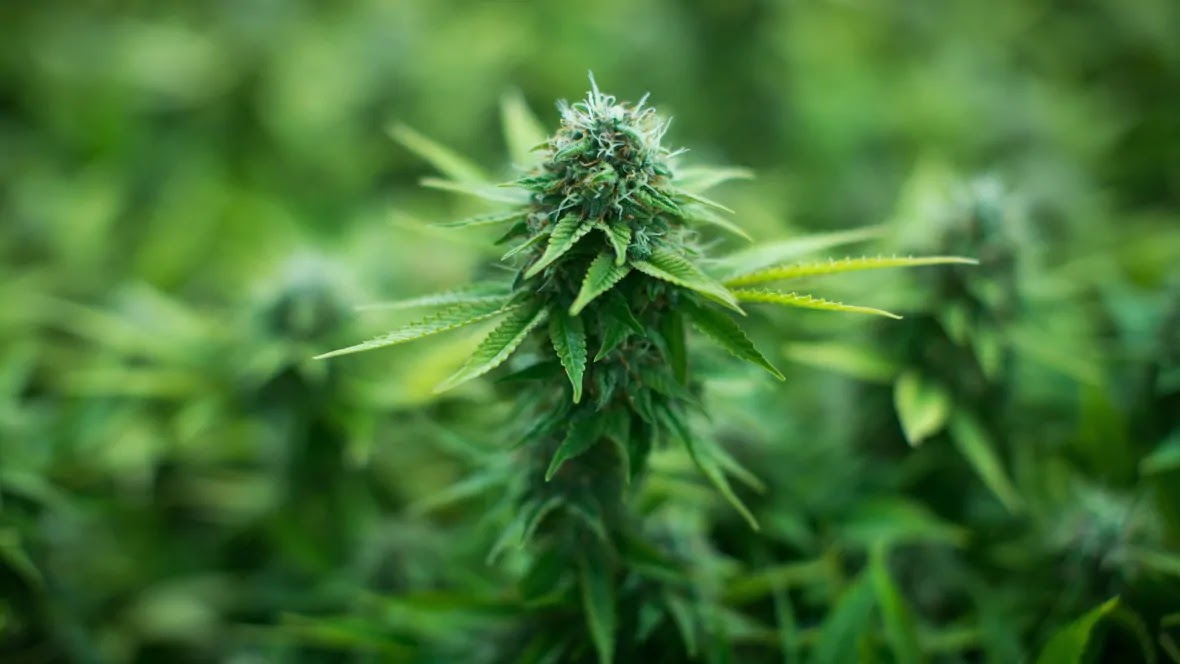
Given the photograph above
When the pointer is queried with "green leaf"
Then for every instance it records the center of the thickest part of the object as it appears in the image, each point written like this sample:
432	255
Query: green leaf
672	329
705	216
847	625
619	235
523	246
568	335
800	270
581	435
602	276
477	190
443	159
861	363
493	219
1165	458
497	346
455	316
598	600
685	619
474	294
618	324
564	236
706	462
697	198
700	178
805	302
669	266
973	443
900	629
727	334
1068	645
922	406
522	130
772	253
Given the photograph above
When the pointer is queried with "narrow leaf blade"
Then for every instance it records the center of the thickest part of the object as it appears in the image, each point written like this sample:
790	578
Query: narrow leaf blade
565	235
805	302
669	266
522	130
497	346
727	334
568	335
443	159
975	445
797	271
458	315
1068	645
602	276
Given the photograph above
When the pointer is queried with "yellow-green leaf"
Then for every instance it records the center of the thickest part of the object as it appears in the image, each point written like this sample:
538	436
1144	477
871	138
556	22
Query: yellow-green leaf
805	302
443	159
458	315
800	270
922	407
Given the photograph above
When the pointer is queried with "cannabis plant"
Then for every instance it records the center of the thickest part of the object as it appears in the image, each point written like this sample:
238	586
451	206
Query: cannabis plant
608	270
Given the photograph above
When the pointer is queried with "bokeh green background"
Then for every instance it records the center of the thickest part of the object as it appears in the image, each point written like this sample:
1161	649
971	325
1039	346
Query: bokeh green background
195	196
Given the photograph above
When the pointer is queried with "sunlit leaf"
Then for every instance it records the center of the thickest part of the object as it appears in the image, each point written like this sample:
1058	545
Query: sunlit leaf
836	266
805	302
522	130
922	406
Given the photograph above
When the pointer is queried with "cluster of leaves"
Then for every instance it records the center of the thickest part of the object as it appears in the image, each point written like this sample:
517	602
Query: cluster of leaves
607	258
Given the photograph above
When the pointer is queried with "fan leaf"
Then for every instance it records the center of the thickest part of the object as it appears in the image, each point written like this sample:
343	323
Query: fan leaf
805	302
619	235
669	266
458	315
568	335
800	270
722	330
497	346
602	275
565	235
522	130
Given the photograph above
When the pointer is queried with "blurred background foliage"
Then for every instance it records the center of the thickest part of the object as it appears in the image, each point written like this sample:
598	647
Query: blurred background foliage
195	197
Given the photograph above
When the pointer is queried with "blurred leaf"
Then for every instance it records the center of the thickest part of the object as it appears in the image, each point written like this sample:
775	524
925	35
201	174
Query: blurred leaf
443	159
598	601
847	626
1068	645
859	362
455	316
923	407
977	448
522	130
1165	458
770	253
900	629
836	266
